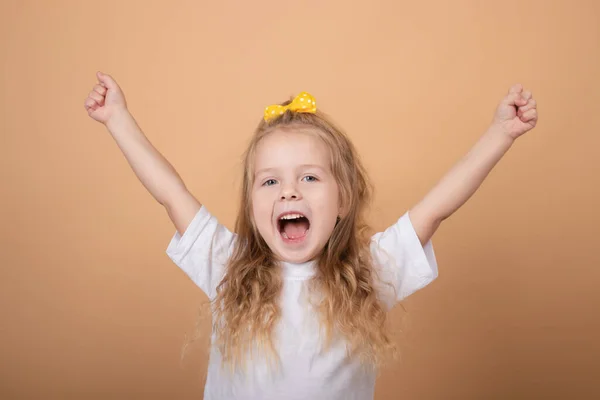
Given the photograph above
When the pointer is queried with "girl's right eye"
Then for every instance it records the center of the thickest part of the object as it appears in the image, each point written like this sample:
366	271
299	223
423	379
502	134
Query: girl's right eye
270	182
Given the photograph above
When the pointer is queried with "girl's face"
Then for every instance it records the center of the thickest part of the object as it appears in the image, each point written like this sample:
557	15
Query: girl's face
295	198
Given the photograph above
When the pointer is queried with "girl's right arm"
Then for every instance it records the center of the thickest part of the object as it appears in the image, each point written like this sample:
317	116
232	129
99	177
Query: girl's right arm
106	104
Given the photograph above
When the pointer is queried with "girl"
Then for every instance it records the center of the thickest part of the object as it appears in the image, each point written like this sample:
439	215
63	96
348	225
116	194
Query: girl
300	292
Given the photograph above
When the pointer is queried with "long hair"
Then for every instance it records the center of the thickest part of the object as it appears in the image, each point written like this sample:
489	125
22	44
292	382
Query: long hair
246	307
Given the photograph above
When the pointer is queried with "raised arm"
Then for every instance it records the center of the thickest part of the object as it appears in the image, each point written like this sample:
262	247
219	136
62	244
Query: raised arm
516	114
106	104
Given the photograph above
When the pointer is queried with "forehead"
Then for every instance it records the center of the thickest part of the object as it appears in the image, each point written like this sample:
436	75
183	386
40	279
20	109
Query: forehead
282	148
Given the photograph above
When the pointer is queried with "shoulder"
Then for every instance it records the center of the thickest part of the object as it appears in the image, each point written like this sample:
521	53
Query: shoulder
401	260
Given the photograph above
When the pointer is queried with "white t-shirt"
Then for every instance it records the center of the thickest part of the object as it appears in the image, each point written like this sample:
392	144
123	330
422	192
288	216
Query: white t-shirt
304	372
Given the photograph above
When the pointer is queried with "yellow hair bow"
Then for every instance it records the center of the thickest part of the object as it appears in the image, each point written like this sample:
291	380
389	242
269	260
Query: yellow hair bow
304	102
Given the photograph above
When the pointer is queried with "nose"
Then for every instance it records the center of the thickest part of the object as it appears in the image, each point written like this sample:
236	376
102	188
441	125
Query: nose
289	192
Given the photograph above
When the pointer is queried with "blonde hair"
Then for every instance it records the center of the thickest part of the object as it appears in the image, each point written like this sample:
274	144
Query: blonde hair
246	307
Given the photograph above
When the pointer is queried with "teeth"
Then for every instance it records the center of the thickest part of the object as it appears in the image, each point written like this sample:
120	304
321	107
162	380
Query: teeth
292	216
284	235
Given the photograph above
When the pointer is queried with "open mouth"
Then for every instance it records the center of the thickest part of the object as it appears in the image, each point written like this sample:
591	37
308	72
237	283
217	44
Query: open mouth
293	226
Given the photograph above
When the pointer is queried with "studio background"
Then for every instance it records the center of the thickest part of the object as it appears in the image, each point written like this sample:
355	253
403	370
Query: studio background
92	307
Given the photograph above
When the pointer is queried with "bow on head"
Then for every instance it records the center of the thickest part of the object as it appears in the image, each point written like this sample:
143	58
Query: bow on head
304	102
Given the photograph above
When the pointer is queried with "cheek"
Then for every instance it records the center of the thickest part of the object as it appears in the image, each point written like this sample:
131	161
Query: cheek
261	210
328	201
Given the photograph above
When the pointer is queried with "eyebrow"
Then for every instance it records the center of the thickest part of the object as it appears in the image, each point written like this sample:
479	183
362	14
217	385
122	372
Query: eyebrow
263	170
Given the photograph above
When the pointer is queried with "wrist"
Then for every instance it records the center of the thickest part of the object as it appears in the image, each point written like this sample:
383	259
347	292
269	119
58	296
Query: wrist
118	119
499	133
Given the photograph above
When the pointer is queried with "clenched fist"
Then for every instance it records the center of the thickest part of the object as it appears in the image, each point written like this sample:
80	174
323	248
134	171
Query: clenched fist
105	100
516	113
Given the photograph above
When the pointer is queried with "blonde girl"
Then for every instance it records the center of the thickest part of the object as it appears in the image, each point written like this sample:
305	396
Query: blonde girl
300	290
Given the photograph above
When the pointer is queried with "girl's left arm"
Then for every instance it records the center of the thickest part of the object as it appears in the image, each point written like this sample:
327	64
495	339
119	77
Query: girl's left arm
515	115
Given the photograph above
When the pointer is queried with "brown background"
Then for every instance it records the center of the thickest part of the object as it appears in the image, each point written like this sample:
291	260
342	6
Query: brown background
92	308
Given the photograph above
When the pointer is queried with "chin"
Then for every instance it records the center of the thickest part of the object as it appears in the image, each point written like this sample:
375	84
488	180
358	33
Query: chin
294	253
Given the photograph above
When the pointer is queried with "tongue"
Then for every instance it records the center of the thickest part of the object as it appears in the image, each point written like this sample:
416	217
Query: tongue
295	229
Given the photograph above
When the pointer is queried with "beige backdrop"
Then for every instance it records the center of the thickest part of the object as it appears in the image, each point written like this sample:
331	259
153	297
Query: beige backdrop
92	308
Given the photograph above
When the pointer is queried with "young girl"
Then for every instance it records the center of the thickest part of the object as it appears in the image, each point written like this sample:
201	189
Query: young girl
300	292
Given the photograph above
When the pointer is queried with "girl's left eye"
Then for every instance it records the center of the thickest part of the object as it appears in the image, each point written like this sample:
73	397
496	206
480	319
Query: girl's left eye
309	178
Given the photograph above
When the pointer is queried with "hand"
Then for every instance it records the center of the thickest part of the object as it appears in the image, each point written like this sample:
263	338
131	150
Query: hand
105	100
516	113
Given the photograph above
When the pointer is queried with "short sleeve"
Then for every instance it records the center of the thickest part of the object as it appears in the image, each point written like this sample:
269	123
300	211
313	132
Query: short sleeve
402	261
202	251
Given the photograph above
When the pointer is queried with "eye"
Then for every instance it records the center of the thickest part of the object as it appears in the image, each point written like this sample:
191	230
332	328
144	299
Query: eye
310	178
269	182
